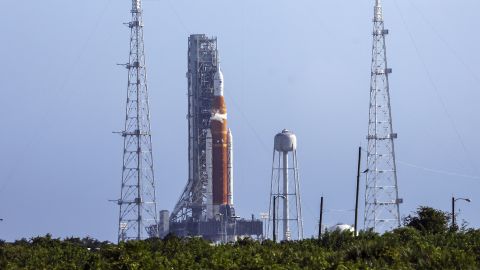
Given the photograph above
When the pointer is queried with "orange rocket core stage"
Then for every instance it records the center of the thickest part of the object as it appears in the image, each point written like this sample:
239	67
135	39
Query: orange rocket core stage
218	126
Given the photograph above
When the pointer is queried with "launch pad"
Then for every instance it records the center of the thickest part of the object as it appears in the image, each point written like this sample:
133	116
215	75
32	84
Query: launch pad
218	229
205	208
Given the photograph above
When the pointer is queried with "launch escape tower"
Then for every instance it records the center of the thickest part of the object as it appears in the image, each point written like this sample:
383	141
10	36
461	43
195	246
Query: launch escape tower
285	189
382	205
138	214
205	207
202	66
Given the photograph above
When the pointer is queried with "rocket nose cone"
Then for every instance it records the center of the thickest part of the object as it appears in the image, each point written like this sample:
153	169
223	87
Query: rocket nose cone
218	83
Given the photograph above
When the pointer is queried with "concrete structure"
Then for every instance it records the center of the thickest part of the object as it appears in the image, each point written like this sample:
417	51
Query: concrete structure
164	223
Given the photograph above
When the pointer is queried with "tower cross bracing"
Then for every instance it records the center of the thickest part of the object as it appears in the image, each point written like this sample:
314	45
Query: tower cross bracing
382	204
138	214
202	66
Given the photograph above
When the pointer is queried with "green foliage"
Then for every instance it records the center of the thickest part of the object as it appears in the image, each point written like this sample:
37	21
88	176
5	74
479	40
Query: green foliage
410	247
428	220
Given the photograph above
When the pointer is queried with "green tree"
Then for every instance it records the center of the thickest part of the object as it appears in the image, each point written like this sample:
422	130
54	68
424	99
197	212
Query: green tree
428	220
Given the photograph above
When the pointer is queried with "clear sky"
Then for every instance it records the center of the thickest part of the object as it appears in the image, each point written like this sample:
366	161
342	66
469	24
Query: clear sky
302	65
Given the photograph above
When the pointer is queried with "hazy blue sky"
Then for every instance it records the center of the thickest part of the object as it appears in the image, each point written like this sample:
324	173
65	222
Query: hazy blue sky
302	65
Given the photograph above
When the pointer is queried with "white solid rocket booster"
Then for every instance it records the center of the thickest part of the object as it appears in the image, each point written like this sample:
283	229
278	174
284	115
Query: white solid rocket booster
230	167
210	213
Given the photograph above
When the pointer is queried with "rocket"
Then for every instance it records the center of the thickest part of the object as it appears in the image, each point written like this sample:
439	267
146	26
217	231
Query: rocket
219	154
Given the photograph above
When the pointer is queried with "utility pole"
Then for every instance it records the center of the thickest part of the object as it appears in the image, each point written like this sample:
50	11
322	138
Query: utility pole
453	212
355	229
321	219
453	208
138	211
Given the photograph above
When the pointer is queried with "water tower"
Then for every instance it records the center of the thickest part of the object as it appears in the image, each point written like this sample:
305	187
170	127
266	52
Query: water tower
285	206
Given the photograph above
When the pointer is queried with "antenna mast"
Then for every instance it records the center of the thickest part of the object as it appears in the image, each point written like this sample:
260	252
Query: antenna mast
382	205
138	213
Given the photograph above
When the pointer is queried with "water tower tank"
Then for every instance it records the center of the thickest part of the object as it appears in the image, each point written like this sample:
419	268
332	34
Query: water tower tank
285	141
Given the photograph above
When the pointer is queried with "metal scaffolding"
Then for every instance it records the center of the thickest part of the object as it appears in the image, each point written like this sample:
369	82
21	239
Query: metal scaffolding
202	66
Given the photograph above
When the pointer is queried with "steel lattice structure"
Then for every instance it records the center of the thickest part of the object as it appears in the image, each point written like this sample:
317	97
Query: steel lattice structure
138	213
202	66
382	205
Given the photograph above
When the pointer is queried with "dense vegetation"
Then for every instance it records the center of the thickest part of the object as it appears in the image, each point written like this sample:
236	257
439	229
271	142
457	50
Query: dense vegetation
426	242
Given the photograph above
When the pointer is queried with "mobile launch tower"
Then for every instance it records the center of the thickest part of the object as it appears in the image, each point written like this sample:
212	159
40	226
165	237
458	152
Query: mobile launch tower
382	204
205	207
202	66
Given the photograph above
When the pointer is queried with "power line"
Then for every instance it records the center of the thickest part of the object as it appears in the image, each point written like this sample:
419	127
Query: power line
174	11
185	27
249	125
439	171
435	88
447	44
60	88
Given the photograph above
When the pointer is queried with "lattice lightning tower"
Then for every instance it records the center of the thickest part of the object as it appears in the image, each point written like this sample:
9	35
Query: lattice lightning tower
138	214
382	205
